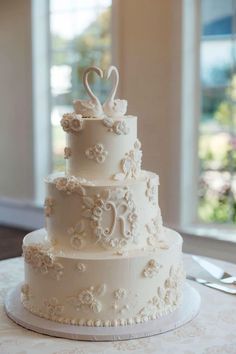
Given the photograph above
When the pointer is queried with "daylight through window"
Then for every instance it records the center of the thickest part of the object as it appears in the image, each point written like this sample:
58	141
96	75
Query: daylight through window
84	39
217	139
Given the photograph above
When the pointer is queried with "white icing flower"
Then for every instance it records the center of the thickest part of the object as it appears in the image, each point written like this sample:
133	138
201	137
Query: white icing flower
96	306
151	191
25	292
108	122
69	185
72	122
76	124
39	258
130	164
156	232
151	269
57	271
53	308
97	152
77	242
151	240
119	293
97	211
65	122
132	217
118	127
77	235
168	296
81	267
48	206
87	298
67	152
121	127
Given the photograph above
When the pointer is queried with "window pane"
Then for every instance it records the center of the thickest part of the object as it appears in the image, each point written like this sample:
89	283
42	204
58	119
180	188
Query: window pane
217	130
80	37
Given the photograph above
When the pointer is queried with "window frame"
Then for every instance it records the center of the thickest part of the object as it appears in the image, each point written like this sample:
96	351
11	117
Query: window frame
41	96
191	112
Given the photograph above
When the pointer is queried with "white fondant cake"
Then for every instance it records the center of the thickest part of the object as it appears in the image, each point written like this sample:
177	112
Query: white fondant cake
105	258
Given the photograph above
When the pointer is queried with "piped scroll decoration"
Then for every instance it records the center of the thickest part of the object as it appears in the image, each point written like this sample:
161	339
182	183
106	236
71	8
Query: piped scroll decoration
156	232
77	235
131	163
119	203
89	108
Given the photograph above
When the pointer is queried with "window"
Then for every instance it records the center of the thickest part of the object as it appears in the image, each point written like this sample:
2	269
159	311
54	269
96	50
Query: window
217	127
80	37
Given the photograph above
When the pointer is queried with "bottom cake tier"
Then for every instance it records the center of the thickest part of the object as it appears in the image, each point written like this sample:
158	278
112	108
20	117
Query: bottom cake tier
102	289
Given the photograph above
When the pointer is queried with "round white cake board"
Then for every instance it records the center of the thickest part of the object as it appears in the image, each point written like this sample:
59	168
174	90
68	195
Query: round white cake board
185	313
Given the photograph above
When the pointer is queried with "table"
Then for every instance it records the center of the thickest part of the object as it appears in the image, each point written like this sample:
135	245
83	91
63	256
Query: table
213	331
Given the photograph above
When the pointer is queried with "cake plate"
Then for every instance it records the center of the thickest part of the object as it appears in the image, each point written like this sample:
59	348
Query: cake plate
185	313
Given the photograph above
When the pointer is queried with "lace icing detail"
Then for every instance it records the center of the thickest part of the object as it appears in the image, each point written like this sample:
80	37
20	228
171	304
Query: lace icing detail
119	127
72	123
53	308
151	190
119	296
156	232
38	257
168	296
151	269
25	292
130	164
77	235
167	299
49	204
69	185
119	203
81	267
87	298
67	152
96	152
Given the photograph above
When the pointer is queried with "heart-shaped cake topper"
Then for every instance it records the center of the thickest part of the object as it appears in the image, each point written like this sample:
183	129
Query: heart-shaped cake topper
92	108
89	108
112	107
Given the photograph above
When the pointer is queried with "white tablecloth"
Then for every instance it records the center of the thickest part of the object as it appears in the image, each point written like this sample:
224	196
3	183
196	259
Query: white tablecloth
212	331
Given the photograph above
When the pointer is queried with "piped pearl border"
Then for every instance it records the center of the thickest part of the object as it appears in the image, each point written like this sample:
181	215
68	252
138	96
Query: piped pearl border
102	323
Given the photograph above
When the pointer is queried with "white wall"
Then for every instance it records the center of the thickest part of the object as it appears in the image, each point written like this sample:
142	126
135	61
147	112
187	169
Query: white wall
149	43
16	125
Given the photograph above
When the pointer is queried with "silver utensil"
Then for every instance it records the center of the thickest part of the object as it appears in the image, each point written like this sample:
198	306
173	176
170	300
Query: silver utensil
215	286
217	272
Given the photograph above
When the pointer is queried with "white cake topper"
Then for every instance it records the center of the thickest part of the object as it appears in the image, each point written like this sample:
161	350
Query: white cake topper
112	107
89	108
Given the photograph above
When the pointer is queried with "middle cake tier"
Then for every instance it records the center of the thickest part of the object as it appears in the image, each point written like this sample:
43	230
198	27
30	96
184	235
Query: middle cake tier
81	216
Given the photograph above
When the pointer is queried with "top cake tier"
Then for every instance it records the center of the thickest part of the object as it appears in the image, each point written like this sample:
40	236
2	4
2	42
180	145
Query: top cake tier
102	147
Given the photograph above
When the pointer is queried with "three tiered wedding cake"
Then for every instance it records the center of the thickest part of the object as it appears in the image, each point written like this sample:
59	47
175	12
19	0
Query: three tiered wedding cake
105	258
